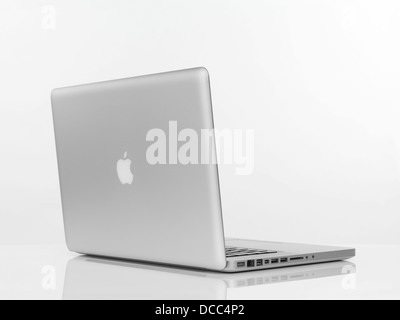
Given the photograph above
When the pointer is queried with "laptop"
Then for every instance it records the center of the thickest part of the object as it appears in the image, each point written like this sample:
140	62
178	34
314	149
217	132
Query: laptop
135	187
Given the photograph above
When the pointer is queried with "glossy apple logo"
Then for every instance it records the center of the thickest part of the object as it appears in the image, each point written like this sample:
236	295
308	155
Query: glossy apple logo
124	170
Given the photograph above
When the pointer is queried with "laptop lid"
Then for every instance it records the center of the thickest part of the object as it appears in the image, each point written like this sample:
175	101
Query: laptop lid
130	185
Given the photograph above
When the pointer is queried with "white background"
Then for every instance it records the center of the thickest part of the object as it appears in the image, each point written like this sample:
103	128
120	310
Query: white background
318	80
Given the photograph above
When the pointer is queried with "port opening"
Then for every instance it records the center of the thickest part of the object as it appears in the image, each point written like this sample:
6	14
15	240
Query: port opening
259	263
296	258
241	264
250	263
266	262
284	260
273	261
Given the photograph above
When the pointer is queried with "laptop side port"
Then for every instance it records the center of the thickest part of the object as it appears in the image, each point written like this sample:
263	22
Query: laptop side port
241	264
284	260
296	258
273	261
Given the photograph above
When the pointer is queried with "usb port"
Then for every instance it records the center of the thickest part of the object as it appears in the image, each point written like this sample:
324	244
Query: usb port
266	261
284	260
241	264
259	263
250	263
274	261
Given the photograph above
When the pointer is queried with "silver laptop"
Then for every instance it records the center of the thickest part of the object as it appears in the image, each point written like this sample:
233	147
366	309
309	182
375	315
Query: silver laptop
131	190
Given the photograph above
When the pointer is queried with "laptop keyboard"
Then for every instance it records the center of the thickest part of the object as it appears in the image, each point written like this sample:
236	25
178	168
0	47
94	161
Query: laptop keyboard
241	252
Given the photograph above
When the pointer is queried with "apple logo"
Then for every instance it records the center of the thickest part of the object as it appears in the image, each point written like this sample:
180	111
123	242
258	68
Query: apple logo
124	170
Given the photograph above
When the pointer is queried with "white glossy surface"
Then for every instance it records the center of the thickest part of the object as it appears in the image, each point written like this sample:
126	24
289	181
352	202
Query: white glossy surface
50	272
318	81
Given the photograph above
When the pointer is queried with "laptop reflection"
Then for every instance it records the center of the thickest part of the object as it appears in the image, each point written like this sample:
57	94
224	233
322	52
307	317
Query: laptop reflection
89	278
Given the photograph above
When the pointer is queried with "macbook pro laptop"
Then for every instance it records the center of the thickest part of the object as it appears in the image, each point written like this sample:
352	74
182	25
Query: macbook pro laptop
134	188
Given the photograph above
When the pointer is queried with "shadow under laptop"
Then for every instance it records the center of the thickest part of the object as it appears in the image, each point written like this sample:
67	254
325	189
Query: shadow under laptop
90	278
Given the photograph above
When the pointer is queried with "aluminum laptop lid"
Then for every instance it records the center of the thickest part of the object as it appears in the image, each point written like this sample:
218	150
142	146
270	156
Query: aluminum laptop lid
116	203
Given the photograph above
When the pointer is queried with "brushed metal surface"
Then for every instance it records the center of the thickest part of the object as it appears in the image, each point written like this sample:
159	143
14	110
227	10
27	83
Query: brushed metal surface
311	253
171	213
